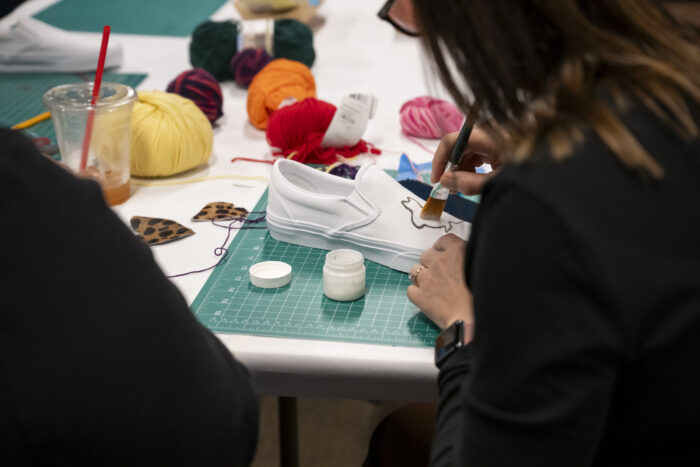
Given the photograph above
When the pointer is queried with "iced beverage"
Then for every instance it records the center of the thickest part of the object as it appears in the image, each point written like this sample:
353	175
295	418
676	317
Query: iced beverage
108	158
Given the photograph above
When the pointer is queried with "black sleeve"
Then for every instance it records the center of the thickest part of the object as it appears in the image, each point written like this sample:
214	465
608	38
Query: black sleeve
101	360
535	384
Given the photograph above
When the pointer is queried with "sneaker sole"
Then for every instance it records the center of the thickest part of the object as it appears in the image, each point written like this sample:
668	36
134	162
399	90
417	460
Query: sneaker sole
315	238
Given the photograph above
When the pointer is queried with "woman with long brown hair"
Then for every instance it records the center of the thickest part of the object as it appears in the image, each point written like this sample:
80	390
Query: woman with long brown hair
582	275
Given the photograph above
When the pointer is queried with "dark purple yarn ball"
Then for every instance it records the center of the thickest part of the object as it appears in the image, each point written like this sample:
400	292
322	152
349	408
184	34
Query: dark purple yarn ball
247	63
201	87
345	171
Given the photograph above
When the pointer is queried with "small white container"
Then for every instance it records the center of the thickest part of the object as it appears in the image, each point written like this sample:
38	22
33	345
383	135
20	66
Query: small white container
344	275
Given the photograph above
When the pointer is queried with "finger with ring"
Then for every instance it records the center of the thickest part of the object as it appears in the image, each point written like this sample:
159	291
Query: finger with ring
413	273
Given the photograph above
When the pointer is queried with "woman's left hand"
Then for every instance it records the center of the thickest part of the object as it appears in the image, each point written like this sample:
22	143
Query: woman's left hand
439	288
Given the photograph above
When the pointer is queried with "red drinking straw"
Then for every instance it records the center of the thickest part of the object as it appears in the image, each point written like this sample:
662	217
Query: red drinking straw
95	96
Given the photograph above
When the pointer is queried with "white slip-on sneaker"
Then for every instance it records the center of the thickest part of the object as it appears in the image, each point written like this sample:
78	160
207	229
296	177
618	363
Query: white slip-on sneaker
32	45
373	214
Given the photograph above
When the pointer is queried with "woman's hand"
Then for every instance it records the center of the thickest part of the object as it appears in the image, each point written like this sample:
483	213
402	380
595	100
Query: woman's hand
439	288
480	150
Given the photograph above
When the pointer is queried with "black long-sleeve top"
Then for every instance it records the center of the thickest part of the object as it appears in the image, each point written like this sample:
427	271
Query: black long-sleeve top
586	284
101	360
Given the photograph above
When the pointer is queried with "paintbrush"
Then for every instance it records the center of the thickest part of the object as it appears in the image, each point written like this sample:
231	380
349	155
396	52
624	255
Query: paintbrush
438	196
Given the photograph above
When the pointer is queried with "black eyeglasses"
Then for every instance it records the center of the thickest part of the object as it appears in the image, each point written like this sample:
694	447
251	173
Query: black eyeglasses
399	15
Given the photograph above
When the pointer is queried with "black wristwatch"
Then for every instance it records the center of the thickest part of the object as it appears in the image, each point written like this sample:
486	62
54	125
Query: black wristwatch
448	342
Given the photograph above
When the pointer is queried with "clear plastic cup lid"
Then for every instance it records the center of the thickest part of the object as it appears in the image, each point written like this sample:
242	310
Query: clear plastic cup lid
77	96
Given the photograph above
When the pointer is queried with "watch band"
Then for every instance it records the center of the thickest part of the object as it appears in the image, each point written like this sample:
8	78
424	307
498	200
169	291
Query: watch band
448	342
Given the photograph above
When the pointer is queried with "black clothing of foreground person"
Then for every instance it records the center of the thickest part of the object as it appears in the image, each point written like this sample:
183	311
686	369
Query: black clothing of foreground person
586	284
582	273
101	360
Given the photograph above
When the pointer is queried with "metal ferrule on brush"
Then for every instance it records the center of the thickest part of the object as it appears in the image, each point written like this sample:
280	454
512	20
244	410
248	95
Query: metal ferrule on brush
439	191
433	208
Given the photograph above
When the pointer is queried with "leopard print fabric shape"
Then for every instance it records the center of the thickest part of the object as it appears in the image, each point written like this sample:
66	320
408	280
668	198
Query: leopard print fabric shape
155	231
220	210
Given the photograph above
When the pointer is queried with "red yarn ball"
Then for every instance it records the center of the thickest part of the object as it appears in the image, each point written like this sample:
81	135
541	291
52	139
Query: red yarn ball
247	63
296	131
201	87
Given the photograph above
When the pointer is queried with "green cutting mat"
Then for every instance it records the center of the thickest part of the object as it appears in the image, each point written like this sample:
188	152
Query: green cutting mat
21	95
147	17
229	303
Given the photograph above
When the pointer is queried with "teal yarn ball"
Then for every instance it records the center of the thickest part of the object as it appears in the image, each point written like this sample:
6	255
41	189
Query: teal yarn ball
212	47
294	41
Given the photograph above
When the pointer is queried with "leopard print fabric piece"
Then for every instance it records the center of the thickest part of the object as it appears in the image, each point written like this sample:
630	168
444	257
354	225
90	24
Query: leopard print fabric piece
220	210
155	231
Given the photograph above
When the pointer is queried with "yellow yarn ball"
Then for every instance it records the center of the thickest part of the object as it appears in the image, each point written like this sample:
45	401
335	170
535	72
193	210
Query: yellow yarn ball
169	134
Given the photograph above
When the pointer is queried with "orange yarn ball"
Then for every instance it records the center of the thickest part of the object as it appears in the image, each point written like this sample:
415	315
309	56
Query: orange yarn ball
277	81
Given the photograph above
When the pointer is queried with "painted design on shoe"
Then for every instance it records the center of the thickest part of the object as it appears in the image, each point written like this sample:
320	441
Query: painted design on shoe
414	207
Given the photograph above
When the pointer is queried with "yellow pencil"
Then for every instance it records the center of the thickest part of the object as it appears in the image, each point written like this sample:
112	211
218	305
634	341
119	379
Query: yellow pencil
32	121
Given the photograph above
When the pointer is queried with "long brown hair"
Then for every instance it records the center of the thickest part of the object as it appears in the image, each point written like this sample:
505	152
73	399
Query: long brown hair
543	70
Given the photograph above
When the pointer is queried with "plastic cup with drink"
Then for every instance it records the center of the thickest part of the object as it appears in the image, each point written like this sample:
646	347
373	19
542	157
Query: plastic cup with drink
108	157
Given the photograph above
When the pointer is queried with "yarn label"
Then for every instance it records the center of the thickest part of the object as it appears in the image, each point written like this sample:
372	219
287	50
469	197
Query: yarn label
350	120
257	34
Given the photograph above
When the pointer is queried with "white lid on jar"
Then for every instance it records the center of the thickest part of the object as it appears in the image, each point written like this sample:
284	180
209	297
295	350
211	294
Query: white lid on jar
344	259
270	274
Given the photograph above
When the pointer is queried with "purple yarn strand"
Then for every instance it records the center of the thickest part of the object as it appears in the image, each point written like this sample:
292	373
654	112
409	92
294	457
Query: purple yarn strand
222	250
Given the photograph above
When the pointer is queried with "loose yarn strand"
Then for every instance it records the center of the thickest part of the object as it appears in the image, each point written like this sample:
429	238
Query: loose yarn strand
222	251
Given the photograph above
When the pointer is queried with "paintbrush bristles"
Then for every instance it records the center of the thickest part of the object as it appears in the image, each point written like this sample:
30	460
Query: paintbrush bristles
433	209
438	196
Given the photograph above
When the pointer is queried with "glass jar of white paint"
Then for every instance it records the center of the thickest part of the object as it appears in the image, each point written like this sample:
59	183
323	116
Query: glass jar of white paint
344	275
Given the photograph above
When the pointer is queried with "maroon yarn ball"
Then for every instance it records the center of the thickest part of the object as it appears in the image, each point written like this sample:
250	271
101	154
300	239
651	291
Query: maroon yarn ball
202	88
247	63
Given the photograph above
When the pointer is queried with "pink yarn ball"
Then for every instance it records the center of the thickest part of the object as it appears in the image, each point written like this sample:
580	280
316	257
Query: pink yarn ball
426	117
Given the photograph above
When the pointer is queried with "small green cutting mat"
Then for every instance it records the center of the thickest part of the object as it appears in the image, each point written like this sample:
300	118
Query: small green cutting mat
146	17
229	303
22	95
